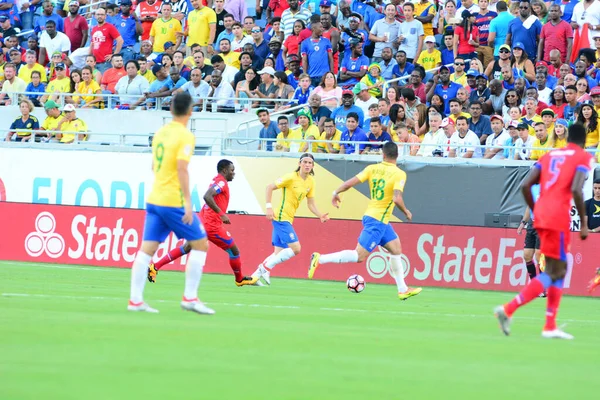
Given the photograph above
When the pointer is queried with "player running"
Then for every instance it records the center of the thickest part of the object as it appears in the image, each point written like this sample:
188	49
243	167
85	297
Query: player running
169	208
296	186
213	216
386	182
561	174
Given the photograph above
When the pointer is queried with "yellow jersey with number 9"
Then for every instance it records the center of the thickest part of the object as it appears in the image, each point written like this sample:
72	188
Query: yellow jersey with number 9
171	143
383	179
295	189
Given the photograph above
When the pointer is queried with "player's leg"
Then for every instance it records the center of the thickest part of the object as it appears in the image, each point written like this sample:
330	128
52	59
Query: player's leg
395	248
529	251
286	245
556	268
172	255
221	238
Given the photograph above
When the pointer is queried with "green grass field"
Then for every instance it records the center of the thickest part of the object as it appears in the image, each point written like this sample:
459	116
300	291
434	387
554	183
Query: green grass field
66	334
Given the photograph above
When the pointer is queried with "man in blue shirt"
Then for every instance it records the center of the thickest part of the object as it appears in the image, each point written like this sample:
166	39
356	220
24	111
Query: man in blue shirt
47	15
377	137
317	55
129	27
352	133
269	129
499	27
445	88
404	68
354	65
525	31
340	114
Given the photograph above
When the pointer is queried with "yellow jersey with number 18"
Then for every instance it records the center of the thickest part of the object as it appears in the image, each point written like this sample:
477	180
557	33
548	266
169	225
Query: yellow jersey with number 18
383	179
171	143
294	190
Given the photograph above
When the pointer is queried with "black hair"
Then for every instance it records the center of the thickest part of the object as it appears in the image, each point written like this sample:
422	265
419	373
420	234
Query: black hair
593	124
223	164
352	115
312	171
453	100
577	134
462	117
377	120
216	59
408	94
597	181
134	62
283	117
314	19
390	149
181	104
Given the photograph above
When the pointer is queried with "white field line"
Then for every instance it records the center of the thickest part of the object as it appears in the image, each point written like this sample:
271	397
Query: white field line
292	307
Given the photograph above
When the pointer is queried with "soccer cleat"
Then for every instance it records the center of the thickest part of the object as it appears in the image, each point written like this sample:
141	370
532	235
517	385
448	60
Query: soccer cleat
152	271
409	293
142	307
196	306
247	280
557	334
594	283
314	264
543	295
263	273
503	319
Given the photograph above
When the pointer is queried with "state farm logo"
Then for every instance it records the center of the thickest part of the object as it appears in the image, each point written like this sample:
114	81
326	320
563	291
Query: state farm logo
2	191
44	239
379	263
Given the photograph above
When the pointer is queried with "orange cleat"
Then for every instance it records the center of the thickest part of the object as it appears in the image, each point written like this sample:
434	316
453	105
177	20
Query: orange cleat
594	283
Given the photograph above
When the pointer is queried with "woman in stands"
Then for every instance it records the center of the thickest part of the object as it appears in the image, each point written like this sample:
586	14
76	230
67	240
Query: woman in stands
476	65
25	121
88	87
247	87
397	115
588	117
540	10
583	90
447	18
522	65
284	90
512	99
559	134
329	88
557	101
438	102
393	94
291	45
466	37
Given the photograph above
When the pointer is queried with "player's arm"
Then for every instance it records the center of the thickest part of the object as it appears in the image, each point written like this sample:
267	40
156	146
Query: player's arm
268	196
577	191
312	206
531	179
209	199
399	202
524	221
350	183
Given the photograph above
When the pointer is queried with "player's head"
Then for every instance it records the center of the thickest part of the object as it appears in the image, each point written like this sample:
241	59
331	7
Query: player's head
390	151
306	164
227	169
181	106
577	134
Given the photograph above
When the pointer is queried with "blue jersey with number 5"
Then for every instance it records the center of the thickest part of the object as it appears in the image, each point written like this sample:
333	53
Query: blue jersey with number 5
383	179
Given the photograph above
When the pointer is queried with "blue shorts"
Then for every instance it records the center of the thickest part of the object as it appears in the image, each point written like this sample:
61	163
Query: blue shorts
160	221
283	234
375	233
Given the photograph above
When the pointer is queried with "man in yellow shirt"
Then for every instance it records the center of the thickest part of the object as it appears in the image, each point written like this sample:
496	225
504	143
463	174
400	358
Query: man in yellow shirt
230	58
201	28
431	57
53	117
332	134
30	66
542	141
60	84
144	71
456	110
425	12
285	134
306	131
386	183
169	209
297	186
165	29
70	123
459	76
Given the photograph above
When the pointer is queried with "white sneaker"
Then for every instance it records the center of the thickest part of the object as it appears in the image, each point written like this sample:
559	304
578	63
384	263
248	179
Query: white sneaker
143	307
263	273
258	283
503	320
557	334
196	306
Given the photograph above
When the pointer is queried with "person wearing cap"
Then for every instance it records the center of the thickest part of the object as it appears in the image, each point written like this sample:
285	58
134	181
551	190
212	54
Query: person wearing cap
269	129
354	66
494	68
60	84
276	53
525	141
15	58
525	30
104	35
444	140
522	65
316	53
53	117
556	34
542	143
306	130
411	33
510	152
30	66
291	15
70	123
559	133
363	98
340	113
384	32
165	29
497	138
267	88
466	37
24	121
431	57
52	41
595	95
444	88
6	29
464	142
76	26
481	92
374	80
544	67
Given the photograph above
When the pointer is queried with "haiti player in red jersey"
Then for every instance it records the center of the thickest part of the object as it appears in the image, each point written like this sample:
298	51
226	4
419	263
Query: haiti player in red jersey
213	216
561	174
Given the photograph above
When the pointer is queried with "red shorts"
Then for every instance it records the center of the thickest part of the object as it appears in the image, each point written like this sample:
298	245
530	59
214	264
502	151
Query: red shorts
554	244
220	237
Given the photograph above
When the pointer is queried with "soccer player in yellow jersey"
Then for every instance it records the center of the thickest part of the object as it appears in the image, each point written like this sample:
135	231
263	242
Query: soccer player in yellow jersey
169	208
386	181
296	186
165	29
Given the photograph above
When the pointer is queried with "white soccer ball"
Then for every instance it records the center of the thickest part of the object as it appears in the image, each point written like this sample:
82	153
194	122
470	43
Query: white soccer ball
356	283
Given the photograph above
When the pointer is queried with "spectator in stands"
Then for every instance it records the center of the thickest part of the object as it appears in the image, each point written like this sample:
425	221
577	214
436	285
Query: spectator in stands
307	131
373	80
524	142
239	38
318	112
531	116
592	207
387	63
274	30
70	123
52	41
481	92
60	84
129	27
104	35
227	71
245	63
332	136
456	110
482	20
247	87
544	92
36	86
354	66
466	37
6	29
30	66
206	70
266	89
588	117
164	29
363	98
559	134
383	106
222	92
276	54
24	121
249	22
112	75
497	96
445	88
303	91
411	33
459	75
317	56
269	129
376	136
595	95
393	95
201	27
48	14
183	69
76	26
292	14
261	48
555	35
417	85
230	58
548	119
572	104
90	61
227	33
284	90
480	124
541	141
53	117
522	65
282	143
15	58
89	88
496	140
355	32
158	88
384	33
291	45
328	88
430	57
449	129
433	136
407	141
464	142
131	87
586	12
340	113
197	88
352	133
583	90
524	30
513	137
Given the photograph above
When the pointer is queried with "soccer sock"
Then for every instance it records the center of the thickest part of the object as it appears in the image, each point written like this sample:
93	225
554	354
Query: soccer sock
344	256
139	274
530	292
171	256
531	270
193	274
398	273
278	258
554	295
235	262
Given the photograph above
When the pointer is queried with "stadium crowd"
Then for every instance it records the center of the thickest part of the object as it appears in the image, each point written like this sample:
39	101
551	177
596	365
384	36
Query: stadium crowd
441	77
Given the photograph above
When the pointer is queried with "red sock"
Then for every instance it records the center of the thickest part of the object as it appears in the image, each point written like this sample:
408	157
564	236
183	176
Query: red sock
171	256
236	267
554	295
530	292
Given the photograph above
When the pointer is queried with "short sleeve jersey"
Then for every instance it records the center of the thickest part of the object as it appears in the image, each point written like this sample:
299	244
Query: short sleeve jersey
221	188
172	142
199	22
557	171
295	189
383	179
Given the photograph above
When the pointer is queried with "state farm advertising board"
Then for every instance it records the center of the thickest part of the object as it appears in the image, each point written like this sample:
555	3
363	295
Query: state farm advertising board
434	255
